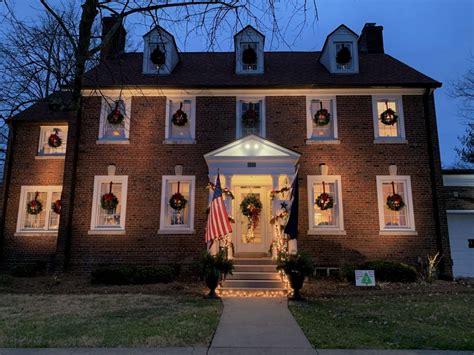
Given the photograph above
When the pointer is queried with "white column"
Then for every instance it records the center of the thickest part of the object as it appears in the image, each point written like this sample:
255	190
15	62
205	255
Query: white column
275	186
293	246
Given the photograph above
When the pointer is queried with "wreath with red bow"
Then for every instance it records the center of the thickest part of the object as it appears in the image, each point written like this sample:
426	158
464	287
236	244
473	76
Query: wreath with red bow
116	117
389	117
54	140
180	118
395	201
109	201
251	208
322	117
56	206
324	201
177	201
34	207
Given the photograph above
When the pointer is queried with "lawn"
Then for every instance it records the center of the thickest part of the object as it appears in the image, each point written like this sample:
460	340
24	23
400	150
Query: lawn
389	320
167	318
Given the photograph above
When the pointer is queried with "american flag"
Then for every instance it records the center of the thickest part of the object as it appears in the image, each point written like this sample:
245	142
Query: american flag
218	224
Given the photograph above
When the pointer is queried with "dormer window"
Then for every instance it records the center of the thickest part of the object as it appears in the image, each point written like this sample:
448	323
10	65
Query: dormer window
249	58
344	55
160	54
340	54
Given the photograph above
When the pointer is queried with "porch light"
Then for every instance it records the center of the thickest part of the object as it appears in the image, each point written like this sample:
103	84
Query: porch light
256	146
247	146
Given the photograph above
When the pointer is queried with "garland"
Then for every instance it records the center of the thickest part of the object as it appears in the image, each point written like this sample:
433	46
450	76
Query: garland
34	207
389	117
54	140
177	201
116	117
275	193
251	207
56	206
343	56
157	57
250	116
109	201
282	215
395	201
180	118
225	190
322	117
324	200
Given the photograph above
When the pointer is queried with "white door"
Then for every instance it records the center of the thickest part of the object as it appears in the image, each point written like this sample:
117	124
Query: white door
260	240
461	237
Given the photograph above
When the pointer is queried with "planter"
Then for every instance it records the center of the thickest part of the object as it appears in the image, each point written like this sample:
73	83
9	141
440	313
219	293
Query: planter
296	283
212	281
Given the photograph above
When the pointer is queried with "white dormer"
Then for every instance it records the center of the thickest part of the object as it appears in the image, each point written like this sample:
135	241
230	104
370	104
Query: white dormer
160	54
249	44
340	54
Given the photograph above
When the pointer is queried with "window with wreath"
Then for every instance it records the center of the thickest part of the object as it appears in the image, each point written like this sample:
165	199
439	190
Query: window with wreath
321	118
53	141
388	118
395	203
325	204
250	117
181	122
177	204
40	208
109	203
344	56
249	55
115	119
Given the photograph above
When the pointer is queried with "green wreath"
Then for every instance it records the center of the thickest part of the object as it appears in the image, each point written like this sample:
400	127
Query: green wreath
34	207
249	203
395	202
178	202
180	118
109	201
389	117
54	141
325	201
322	117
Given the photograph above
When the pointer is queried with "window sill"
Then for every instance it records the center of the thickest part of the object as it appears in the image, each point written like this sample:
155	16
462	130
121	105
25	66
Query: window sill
322	141
179	141
52	157
390	141
106	232
112	141
36	234
176	231
399	232
326	232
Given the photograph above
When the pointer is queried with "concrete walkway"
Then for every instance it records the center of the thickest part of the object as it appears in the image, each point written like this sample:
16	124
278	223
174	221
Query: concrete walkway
258	326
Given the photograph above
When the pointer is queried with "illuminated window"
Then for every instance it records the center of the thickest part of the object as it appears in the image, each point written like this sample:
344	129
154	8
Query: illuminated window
396	216
115	119
327	217
177	204
321	118
181	120
53	141
109	203
392	126
39	209
250	117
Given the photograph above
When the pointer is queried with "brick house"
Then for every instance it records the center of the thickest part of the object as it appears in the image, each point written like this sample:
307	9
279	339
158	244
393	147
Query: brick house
255	116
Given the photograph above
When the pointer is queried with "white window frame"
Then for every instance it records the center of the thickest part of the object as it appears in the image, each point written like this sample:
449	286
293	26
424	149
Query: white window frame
177	229
382	200
43	140
98	180
192	119
103	119
398	99
46	206
238	127
338	229
309	120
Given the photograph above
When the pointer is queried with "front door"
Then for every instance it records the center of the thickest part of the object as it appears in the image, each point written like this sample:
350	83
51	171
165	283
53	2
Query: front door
259	240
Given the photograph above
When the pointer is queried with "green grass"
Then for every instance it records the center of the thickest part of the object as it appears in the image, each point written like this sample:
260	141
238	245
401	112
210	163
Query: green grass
429	321
106	320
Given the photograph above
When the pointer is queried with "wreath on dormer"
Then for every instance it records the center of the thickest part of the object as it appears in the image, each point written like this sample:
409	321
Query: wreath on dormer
324	201
395	201
389	117
54	140
322	117
158	57
116	117
180	118
343	56
35	206
249	56
250	117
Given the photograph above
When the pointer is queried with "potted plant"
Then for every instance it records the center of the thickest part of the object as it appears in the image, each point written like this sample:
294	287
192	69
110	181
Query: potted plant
213	268
297	267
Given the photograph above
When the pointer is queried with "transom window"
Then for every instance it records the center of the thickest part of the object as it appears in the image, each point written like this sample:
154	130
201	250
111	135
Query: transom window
53	140
325	204
181	119
250	117
115	119
395	203
388	118
321	118
177	204
40	208
109	203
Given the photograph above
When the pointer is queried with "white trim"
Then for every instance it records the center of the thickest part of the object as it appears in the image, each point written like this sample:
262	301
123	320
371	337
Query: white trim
98	180
50	157
406	179
458	180
112	141
460	211
309	119
168	229
106	232
398	233
36	234
398	99
326	232
49	189
388	140
322	141
238	118
339	227
174	140
127	99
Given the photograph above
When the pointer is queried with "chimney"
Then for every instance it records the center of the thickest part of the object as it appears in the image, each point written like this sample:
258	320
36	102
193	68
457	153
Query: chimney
371	39
116	45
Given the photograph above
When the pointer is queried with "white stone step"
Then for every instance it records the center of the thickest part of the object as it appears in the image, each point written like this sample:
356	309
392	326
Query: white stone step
254	268
253	275
251	284
254	261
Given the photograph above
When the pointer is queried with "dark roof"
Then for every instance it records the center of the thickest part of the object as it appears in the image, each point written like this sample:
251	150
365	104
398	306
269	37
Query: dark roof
55	108
282	70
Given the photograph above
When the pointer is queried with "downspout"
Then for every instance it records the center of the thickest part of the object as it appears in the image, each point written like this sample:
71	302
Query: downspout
434	190
6	181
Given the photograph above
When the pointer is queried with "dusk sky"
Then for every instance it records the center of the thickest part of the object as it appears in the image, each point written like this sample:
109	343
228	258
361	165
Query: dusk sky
435	37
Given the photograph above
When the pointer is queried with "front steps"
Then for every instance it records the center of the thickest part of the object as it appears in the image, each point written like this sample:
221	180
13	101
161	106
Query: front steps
253	276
